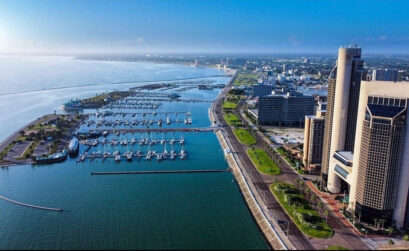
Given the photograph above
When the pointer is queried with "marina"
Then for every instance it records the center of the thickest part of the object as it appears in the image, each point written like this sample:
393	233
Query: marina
102	212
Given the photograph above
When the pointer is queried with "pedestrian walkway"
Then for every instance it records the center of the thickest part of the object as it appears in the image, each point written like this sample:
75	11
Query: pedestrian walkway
329	200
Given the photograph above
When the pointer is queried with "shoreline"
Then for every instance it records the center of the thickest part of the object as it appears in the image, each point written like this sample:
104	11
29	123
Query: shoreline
12	139
270	232
114	84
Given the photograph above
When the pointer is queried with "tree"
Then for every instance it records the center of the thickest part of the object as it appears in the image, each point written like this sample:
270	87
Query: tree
313	197
319	205
391	243
406	239
297	183
382	221
375	220
390	231
326	215
307	191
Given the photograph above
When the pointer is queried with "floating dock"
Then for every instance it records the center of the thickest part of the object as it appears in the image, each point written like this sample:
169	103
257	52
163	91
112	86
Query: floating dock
29	205
182	129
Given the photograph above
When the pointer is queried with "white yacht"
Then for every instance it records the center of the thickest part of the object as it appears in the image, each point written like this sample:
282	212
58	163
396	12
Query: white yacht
118	158
129	156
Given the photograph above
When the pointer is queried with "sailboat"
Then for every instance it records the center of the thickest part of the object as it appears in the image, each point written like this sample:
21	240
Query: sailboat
182	153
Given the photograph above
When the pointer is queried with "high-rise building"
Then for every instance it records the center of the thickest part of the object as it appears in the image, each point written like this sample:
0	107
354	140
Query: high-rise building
284	109
366	142
261	90
385	74
313	138
377	171
285	68
328	126
342	108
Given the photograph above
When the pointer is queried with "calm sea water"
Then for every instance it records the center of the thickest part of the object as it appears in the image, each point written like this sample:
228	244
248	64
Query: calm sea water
161	211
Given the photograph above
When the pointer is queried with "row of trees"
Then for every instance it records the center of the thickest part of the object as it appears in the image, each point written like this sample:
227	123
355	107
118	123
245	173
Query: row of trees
312	198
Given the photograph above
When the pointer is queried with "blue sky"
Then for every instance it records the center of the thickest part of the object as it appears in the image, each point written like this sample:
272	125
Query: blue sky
75	26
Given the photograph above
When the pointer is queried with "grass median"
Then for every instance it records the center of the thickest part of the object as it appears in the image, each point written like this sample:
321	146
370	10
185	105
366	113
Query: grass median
300	211
244	136
336	248
263	162
229	105
232	119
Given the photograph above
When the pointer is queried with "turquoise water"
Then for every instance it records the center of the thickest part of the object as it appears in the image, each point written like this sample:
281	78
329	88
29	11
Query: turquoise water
159	211
40	85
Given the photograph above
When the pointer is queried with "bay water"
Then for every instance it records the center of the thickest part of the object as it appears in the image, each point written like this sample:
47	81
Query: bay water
158	211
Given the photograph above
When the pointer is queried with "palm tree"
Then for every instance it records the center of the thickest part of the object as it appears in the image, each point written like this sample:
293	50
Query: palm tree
383	223
297	183
391	243
319	206
390	230
313	197
406	239
307	191
375	220
326	215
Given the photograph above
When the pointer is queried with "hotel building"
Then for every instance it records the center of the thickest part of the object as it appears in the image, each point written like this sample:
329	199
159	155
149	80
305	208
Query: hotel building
369	142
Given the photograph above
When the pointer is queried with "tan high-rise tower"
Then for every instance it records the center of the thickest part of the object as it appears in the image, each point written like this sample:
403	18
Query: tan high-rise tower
342	106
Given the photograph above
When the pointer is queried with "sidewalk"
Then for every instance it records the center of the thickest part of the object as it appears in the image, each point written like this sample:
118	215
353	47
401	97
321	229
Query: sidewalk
332	203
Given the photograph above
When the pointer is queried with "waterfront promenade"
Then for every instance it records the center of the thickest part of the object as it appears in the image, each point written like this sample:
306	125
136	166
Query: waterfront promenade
250	190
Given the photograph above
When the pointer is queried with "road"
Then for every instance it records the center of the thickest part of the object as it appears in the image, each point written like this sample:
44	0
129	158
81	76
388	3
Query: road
343	235
274	208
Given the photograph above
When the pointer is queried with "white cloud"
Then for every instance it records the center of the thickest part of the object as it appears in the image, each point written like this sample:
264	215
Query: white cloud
140	40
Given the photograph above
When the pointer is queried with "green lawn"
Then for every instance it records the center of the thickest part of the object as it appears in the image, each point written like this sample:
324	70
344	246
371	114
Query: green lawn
229	105
300	211
263	162
336	248
232	119
246	79
244	136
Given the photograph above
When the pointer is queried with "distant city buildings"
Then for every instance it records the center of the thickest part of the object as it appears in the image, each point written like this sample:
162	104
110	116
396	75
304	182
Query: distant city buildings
285	68
262	90
385	74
